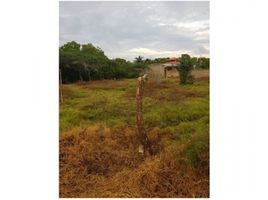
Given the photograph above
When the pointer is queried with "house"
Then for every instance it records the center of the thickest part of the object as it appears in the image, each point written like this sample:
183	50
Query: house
170	67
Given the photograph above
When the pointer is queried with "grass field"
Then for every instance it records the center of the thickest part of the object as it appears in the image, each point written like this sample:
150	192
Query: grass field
98	140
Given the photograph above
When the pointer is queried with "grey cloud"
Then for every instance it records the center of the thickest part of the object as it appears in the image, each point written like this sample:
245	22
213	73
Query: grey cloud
117	27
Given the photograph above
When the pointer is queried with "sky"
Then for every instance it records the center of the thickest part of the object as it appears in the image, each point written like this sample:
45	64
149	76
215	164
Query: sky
129	29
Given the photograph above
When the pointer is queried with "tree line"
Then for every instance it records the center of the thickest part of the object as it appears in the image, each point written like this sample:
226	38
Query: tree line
200	63
85	62
197	63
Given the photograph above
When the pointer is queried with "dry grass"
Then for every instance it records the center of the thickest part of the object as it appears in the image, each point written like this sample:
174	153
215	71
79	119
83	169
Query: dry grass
103	84
102	162
99	147
165	91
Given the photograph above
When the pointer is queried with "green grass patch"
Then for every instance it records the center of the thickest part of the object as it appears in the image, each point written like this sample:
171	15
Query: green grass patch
183	117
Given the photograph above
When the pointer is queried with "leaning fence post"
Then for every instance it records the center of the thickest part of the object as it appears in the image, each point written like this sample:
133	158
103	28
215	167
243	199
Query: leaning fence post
144	145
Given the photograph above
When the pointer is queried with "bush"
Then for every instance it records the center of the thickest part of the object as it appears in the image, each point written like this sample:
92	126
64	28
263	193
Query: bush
185	67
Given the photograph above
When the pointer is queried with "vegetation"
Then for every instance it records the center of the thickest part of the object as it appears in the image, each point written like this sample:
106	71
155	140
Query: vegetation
146	61
187	63
139	59
185	67
98	140
86	62
200	63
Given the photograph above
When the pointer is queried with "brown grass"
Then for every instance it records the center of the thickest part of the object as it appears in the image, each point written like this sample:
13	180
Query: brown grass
103	84
165	91
102	162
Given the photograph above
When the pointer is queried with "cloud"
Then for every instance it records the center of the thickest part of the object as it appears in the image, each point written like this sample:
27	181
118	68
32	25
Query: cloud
151	53
188	26
129	29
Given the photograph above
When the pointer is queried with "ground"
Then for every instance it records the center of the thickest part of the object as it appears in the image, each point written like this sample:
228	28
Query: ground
98	141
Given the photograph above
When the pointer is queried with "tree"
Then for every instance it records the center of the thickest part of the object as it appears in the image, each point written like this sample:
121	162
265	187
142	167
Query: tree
68	60
138	59
80	62
86	62
185	67
203	63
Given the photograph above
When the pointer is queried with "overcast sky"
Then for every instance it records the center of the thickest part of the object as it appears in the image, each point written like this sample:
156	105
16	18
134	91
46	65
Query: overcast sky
129	29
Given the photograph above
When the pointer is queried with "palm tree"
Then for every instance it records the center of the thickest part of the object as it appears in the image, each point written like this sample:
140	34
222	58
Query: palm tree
138	59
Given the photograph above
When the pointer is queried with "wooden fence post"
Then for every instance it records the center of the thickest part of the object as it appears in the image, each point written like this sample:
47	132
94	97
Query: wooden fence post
145	145
61	96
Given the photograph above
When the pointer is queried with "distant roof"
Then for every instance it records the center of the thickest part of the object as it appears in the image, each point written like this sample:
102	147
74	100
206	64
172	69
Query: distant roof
173	59
172	62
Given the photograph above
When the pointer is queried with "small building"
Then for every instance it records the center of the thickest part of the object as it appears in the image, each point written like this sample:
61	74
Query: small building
170	67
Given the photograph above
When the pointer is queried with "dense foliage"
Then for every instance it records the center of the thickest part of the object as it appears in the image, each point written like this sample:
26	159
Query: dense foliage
86	62
188	63
185	67
200	63
203	63
140	59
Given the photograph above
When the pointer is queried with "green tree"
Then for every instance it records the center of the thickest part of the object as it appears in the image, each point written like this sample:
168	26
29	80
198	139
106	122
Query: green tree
86	62
80	62
138	59
185	67
68	60
203	63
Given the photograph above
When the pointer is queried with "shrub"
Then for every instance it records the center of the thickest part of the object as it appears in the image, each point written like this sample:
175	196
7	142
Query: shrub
185	67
